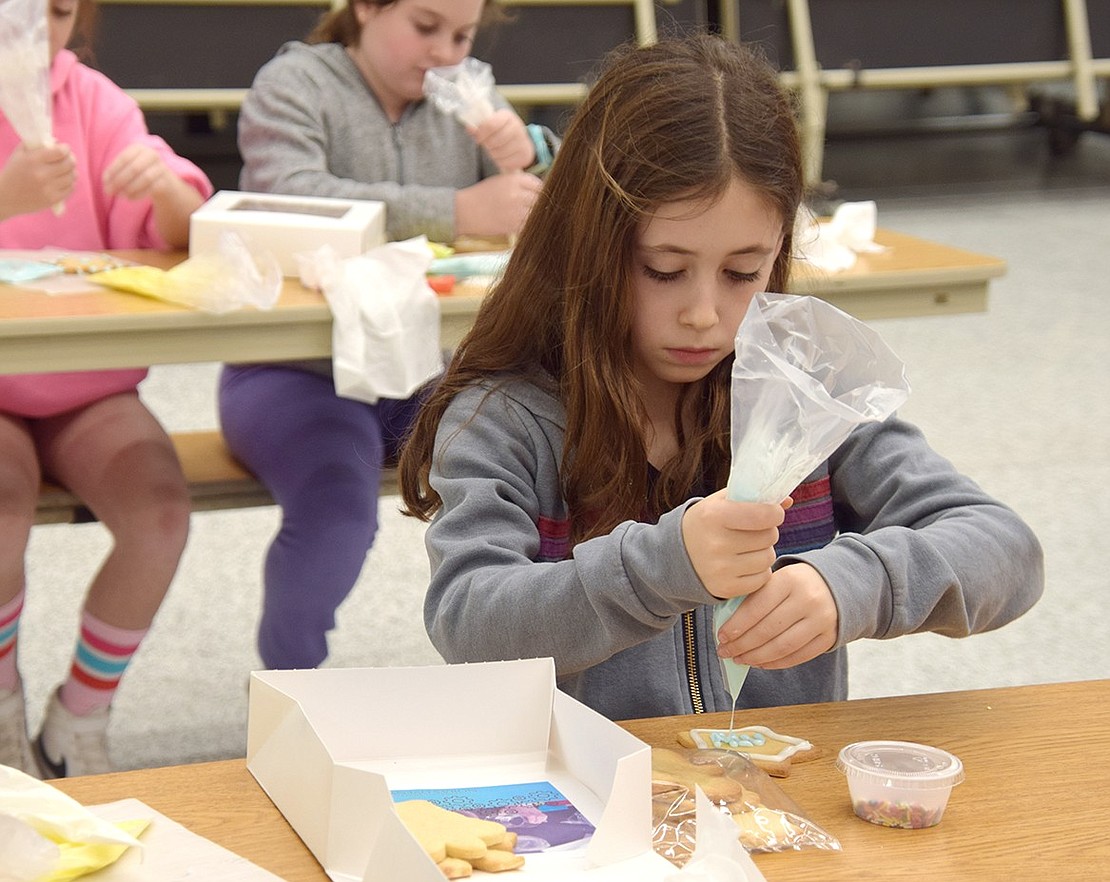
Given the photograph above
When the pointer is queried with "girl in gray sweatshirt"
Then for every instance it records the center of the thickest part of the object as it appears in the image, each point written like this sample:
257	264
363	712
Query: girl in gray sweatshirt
572	459
344	115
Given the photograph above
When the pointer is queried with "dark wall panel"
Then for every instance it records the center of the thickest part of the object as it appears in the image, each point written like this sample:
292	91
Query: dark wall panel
162	46
919	33
218	46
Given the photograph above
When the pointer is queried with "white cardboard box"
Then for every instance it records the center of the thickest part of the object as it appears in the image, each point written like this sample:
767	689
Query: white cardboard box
286	225
329	745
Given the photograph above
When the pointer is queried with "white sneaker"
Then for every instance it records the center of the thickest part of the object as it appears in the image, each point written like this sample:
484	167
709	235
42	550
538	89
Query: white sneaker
69	745
15	747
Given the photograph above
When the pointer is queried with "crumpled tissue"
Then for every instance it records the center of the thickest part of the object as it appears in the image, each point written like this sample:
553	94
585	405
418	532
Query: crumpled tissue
46	836
718	854
228	278
462	90
385	318
834	245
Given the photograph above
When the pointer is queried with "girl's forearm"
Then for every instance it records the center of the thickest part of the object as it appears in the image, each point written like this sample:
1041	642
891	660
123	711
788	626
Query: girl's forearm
173	207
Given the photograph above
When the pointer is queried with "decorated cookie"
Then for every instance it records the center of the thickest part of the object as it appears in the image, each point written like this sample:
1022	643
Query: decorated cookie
769	750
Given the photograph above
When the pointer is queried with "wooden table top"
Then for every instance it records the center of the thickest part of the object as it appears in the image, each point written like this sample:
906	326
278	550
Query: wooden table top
1037	760
101	328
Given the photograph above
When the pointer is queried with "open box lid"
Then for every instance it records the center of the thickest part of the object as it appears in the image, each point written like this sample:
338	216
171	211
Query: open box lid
328	745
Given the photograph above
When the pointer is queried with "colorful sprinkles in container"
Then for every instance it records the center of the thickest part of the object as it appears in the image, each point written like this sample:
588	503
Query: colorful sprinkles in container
897	814
899	783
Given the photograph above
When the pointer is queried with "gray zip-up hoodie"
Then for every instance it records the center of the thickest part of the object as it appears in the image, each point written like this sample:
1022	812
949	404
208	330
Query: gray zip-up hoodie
904	541
310	126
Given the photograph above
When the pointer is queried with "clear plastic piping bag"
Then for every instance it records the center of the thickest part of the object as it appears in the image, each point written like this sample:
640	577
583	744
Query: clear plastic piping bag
25	72
464	90
806	374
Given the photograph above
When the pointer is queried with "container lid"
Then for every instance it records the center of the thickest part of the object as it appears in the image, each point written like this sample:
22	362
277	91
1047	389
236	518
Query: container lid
901	764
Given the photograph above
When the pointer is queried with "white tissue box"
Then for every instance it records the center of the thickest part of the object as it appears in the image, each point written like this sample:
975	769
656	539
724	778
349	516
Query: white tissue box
286	225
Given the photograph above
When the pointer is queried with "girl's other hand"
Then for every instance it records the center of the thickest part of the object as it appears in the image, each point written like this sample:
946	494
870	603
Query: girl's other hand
731	544
496	206
35	178
138	173
790	620
504	137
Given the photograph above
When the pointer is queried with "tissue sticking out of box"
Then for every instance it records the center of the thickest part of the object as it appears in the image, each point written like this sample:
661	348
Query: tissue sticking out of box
286	225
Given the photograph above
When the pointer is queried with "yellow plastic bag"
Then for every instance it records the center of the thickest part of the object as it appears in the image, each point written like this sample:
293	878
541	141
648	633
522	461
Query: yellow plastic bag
46	836
218	282
80	859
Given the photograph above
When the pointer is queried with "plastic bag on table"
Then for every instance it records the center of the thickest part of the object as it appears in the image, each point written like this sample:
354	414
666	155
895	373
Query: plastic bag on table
766	819
18	271
466	266
385	328
718	855
805	375
46	836
220	281
464	90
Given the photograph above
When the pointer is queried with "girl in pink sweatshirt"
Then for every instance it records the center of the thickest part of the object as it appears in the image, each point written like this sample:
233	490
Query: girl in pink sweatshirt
121	187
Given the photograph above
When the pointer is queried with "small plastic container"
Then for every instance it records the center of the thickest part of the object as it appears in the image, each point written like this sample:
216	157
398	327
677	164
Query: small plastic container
899	783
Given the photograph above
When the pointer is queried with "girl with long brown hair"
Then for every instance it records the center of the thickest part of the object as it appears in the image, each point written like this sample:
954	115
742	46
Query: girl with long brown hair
571	460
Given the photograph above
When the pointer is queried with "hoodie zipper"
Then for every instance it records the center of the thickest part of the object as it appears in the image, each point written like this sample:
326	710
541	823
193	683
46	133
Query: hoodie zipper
691	650
395	135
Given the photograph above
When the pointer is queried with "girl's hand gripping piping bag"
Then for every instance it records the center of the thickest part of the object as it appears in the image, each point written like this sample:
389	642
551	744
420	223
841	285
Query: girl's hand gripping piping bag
463	90
805	375
25	72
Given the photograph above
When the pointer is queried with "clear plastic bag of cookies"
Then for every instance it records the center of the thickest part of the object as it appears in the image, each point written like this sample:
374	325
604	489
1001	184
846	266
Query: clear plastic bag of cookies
766	818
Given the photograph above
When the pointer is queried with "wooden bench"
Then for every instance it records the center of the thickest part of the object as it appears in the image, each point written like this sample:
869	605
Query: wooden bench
216	480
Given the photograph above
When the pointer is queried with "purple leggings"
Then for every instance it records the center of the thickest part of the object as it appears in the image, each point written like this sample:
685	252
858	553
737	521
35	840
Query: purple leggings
321	457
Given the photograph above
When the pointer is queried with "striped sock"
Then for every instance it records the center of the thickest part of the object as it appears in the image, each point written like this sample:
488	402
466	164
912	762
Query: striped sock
9	630
103	653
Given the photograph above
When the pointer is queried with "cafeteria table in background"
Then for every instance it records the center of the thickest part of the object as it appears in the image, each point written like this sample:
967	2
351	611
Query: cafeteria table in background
101	328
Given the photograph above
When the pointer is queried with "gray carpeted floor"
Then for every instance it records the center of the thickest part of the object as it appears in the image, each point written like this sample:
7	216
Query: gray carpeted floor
1017	397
